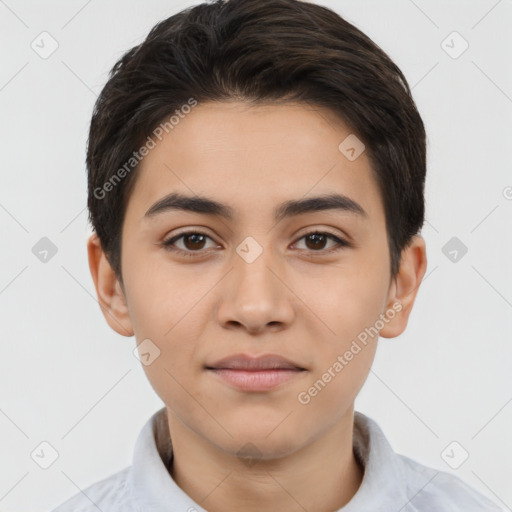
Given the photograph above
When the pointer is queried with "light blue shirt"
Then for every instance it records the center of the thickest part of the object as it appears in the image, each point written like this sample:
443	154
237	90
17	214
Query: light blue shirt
391	482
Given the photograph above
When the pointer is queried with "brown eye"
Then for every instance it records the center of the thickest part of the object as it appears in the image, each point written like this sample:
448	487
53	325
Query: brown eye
194	241
316	241
191	241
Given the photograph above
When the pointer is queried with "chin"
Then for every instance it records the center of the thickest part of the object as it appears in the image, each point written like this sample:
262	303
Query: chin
259	444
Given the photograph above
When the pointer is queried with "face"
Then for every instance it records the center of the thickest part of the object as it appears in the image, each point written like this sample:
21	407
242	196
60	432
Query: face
303	285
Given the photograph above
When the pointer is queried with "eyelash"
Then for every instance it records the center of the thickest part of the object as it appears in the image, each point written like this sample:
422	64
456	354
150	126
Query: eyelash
168	244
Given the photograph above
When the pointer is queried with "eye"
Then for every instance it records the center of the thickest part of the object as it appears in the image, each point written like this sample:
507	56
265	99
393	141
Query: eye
316	240
194	242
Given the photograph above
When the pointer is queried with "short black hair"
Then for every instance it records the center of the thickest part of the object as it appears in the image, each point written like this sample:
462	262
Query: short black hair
260	52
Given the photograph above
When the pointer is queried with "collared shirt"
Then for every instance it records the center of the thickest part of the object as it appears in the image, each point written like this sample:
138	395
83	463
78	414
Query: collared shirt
391	482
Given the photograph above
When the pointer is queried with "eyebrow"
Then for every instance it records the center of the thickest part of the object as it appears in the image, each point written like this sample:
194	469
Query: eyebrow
206	206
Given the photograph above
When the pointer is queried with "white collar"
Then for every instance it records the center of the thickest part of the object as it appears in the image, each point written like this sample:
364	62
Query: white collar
384	482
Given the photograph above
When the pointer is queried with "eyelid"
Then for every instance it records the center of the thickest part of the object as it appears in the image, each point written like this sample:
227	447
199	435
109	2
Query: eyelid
341	242
168	243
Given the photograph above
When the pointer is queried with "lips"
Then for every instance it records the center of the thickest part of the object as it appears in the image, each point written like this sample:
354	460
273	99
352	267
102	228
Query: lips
248	373
250	363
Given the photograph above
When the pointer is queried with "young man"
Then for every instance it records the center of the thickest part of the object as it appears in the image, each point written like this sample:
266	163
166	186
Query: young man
256	176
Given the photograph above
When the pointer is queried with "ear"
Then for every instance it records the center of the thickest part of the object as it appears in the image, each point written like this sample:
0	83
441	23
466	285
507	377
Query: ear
405	285
110	294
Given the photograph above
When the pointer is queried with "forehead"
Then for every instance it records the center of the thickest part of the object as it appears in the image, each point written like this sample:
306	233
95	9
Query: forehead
251	157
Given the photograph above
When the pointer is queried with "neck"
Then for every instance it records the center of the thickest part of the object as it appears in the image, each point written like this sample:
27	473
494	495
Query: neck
323	475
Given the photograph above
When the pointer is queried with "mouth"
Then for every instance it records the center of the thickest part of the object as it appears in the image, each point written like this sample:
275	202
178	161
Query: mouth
248	373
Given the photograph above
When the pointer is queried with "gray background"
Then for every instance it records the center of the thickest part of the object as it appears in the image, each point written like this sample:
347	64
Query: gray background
69	380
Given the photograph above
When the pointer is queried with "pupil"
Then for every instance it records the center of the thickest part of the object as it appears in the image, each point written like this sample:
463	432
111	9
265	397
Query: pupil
316	237
194	238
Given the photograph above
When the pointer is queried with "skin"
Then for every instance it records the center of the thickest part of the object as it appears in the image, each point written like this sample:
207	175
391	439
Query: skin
296	299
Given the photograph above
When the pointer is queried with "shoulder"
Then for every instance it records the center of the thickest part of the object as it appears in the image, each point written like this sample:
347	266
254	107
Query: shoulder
109	495
432	489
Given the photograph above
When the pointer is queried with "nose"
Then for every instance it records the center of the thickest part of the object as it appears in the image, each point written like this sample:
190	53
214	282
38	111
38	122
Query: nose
256	296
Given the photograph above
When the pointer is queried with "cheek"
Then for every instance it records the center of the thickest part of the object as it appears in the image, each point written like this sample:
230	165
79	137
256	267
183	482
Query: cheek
344	303
176	367
164	307
338	376
332	390
162	296
172	383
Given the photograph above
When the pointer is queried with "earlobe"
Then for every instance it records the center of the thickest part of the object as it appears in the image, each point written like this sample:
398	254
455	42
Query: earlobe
405	286
108	289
